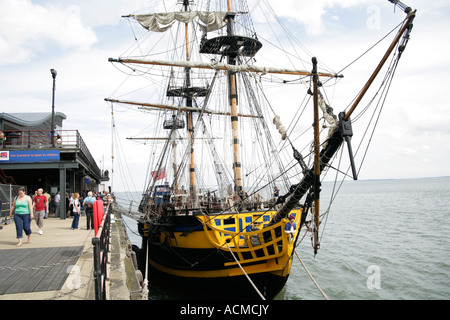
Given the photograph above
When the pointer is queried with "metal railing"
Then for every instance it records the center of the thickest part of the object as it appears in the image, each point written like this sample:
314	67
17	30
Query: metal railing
7	194
4	179
23	139
101	243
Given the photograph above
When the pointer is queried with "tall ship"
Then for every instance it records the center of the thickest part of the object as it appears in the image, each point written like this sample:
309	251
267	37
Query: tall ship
239	145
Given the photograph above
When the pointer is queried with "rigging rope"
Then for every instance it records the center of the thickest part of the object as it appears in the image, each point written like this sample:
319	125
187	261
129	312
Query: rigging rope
384	89
310	275
367	51
245	273
121	158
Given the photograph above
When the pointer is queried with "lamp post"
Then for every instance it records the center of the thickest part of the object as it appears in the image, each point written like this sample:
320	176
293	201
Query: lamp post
53	72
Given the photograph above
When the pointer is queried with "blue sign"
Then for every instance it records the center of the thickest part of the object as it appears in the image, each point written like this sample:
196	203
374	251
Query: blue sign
29	156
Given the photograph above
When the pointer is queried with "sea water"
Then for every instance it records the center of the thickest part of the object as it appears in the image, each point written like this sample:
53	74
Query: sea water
382	239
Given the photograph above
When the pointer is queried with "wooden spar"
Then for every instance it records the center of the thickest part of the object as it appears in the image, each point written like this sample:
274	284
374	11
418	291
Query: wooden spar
236	146
174	148
223	66
152	106
175	165
164	139
186	27
191	164
190	119
233	96
409	20
317	168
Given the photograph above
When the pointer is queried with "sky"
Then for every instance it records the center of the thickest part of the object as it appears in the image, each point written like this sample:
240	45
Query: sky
77	37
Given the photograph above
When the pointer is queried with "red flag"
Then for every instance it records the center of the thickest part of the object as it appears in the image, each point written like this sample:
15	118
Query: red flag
158	175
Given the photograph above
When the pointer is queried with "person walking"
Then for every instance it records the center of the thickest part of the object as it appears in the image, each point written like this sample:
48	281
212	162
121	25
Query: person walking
89	207
47	195
68	206
22	207
81	201
57	199
40	208
76	210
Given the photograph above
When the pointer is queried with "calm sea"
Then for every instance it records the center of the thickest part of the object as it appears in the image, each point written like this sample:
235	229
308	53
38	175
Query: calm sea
383	239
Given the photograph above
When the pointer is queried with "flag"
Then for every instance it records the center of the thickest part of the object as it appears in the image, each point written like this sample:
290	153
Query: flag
158	175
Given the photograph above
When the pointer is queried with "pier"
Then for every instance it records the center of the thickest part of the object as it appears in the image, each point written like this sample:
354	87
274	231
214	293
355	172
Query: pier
36	152
59	264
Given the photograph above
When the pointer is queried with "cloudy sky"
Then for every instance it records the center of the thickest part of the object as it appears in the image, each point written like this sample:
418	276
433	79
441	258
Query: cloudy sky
77	37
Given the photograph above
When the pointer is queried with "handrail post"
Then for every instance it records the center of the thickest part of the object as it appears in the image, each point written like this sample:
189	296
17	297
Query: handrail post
101	243
97	269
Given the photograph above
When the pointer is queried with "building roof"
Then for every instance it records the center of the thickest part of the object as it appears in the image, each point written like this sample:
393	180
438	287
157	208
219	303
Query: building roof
30	119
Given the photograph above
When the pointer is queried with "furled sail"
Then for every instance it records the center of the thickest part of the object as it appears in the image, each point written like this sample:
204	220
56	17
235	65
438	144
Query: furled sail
161	22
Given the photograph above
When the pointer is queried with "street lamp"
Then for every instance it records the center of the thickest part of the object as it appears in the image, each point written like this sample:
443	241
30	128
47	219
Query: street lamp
53	72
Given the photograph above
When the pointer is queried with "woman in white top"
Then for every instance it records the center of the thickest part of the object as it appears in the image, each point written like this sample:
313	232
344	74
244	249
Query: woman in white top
76	210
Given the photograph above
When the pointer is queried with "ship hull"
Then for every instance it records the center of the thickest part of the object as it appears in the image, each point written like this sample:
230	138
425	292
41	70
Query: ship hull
220	258
218	288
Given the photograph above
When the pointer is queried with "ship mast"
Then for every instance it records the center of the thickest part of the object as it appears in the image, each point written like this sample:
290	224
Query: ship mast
174	147
317	170
237	168
190	120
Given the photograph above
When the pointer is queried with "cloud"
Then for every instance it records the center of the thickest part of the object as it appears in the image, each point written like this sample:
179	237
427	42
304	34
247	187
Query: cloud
312	13
28	28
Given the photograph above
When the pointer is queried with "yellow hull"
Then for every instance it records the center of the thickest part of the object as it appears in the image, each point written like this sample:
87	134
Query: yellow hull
242	247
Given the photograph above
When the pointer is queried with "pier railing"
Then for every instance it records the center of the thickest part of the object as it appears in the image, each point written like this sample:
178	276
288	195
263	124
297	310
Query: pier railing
26	139
101	243
7	194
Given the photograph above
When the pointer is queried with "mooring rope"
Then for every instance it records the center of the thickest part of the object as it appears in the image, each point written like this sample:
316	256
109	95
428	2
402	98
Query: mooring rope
250	280
145	288
310	275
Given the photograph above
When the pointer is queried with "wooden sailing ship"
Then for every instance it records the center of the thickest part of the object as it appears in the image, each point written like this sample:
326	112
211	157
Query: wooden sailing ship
217	227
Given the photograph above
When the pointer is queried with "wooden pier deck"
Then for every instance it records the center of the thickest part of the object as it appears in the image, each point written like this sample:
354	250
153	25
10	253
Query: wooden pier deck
36	269
39	270
57	265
